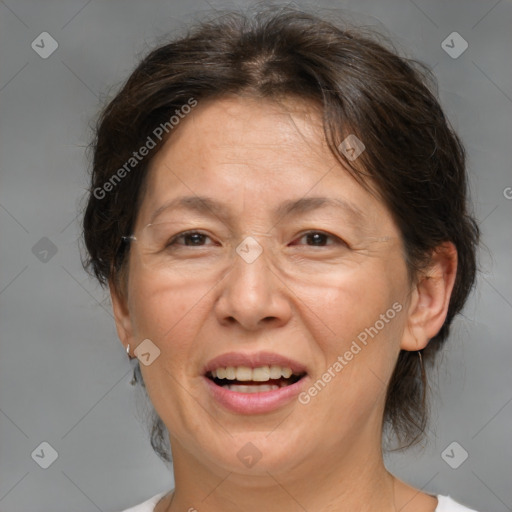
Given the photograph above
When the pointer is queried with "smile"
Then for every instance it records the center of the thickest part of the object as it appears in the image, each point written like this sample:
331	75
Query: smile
243	379
259	390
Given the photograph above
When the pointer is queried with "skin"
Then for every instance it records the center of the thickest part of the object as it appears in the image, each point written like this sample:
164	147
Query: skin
300	300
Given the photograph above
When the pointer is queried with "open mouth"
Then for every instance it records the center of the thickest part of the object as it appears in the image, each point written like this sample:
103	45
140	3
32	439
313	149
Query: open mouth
243	379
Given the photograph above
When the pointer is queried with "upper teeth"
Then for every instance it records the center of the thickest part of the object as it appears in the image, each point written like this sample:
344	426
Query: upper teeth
261	374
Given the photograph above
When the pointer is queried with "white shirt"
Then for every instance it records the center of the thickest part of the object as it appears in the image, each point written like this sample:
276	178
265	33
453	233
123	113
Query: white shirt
446	504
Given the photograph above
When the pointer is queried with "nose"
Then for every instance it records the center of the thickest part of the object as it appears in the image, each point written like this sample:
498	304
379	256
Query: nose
253	295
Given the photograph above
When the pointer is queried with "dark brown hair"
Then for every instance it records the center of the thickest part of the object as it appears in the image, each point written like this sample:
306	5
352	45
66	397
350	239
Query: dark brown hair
413	159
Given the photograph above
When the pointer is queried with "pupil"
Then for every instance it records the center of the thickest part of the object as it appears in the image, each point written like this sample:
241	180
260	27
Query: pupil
317	237
196	237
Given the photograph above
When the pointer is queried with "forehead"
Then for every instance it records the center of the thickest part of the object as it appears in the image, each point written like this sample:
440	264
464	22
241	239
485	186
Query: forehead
245	131
254	155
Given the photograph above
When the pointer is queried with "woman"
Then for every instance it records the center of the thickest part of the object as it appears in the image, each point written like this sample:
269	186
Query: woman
278	206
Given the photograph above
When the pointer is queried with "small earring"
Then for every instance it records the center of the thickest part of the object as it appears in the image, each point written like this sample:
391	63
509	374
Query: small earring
134	378
128	349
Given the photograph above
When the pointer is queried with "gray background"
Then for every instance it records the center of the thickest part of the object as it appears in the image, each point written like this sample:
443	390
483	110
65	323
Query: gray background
64	377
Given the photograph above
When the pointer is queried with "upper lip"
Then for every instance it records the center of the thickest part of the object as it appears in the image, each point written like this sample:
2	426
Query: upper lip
254	360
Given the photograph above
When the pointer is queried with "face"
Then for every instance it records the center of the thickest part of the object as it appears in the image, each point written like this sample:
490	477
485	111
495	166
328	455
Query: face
322	283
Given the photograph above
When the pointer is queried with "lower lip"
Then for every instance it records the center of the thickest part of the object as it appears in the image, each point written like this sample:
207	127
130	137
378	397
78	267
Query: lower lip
254	403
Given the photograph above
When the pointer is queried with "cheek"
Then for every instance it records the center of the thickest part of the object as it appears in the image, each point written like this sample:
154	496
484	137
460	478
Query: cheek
163	309
171	315
357	322
350	298
362	325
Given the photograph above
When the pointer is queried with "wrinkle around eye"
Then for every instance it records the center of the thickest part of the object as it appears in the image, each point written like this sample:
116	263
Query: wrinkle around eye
331	241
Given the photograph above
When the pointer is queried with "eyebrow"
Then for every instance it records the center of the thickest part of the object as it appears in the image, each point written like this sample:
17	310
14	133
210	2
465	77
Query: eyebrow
289	208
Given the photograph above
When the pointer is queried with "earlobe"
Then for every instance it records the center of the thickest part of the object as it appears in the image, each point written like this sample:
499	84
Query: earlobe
431	298
121	316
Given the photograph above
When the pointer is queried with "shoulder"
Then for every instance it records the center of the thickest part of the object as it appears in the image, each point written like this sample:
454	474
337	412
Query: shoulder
447	504
148	505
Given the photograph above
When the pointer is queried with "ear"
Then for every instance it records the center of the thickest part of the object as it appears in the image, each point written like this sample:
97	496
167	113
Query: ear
121	315
430	298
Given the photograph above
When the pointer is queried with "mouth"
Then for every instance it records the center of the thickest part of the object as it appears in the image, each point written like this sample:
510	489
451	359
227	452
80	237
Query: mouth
256	383
243	379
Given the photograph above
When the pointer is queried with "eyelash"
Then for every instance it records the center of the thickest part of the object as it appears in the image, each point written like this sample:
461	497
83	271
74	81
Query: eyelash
336	239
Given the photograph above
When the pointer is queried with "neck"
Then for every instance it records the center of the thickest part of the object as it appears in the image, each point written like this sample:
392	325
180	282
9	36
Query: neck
348	479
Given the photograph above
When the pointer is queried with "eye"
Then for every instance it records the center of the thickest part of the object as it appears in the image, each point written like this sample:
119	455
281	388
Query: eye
198	239
320	239
195	237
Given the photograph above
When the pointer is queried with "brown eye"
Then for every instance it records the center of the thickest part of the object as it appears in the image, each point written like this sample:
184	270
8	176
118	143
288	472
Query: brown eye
319	239
195	238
